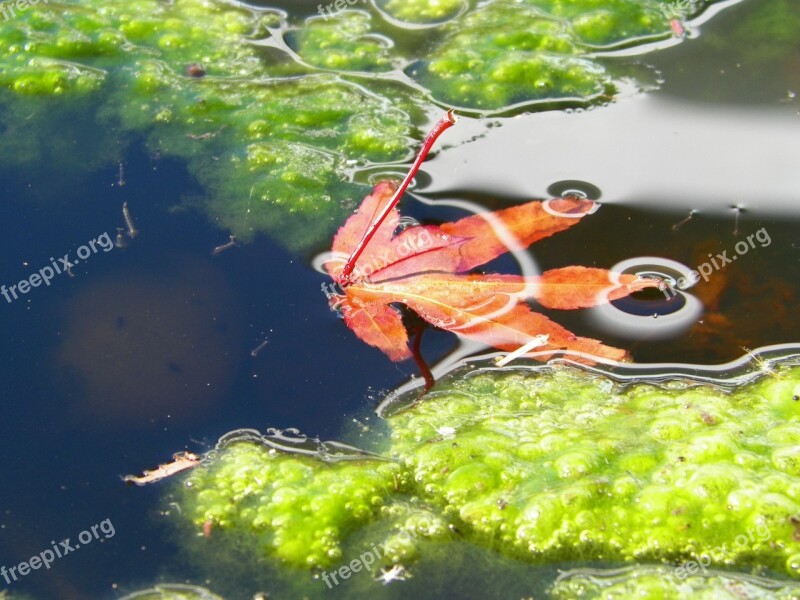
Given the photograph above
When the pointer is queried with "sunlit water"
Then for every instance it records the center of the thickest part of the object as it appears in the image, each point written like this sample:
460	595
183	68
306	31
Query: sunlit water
159	346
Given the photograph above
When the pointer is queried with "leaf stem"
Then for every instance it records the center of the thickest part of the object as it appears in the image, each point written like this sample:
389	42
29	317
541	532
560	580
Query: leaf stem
416	351
445	122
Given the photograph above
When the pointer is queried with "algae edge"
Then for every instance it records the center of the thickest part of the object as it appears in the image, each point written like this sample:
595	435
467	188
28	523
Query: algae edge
273	143
541	469
274	114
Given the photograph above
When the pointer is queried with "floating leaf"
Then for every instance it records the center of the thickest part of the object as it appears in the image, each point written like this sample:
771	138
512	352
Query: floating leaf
424	269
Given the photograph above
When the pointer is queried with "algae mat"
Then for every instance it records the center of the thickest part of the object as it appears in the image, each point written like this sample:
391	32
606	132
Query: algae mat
282	116
544	466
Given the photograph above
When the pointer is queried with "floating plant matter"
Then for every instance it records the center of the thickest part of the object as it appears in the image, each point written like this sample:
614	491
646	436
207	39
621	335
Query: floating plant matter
425	267
180	462
545	465
274	113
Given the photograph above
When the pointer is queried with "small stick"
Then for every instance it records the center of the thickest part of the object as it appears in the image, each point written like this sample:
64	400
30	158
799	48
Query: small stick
126	214
536	341
120	242
686	220
220	249
259	348
445	122
738	210
180	462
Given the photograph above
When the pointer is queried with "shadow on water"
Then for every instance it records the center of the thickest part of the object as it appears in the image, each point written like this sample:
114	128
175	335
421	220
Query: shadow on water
150	347
145	351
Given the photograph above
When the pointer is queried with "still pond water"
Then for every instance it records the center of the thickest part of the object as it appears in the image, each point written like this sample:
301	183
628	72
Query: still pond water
151	348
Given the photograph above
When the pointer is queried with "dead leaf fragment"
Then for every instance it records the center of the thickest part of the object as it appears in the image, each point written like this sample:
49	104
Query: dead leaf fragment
180	462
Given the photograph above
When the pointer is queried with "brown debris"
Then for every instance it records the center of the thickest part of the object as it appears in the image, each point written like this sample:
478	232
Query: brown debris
180	462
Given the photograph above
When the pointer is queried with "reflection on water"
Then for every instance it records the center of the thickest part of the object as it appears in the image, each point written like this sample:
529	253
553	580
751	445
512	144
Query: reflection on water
137	347
662	313
744	369
672	155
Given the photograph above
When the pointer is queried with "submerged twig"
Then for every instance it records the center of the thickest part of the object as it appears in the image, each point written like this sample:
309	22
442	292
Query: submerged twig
205	136
126	214
259	348
222	247
684	221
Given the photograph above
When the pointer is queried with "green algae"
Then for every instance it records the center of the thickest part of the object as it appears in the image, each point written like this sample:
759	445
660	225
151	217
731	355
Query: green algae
606	23
508	54
302	512
274	113
264	135
423	12
543	467
345	42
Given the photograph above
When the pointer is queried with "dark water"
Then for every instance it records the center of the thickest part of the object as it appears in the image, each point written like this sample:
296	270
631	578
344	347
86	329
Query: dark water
122	389
147	349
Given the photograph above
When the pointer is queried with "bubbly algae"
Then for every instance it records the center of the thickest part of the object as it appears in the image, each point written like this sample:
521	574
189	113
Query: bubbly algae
545	466
274	113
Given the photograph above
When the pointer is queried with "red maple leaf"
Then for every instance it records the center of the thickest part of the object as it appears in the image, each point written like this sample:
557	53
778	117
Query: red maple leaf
426	268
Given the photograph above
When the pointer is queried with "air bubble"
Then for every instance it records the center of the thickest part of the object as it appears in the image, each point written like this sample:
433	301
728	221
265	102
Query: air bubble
405	223
652	313
574	188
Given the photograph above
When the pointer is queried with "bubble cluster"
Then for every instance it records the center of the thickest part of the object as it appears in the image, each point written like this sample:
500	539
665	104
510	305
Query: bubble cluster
281	131
543	466
274	112
294	509
346	42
